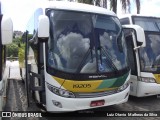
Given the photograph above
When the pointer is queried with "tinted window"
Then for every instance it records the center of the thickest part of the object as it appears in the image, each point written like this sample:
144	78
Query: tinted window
85	42
147	23
150	55
33	21
131	54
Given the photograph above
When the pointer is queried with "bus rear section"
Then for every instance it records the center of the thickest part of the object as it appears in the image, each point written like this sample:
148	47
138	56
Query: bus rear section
75	63
6	34
145	64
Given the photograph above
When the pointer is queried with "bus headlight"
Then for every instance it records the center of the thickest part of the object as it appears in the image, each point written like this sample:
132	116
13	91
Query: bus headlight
60	92
147	79
123	87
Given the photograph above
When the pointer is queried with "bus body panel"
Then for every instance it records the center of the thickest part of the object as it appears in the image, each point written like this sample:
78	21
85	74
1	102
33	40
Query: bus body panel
142	89
147	89
133	85
4	85
74	6
81	103
6	32
1	94
90	85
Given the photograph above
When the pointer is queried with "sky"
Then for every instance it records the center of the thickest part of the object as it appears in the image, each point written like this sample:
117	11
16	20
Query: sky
21	10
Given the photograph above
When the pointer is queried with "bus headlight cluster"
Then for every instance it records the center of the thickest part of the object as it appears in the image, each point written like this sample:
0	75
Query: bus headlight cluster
60	92
147	79
123	87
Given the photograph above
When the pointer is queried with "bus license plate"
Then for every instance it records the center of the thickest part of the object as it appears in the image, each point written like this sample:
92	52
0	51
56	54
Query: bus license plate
97	103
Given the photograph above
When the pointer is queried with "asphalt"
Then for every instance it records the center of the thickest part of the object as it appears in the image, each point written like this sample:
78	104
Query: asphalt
16	95
14	70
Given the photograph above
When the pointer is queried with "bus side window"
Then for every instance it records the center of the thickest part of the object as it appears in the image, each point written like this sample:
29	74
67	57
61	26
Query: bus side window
131	54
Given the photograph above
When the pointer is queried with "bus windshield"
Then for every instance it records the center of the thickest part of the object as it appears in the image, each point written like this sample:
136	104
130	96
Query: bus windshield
147	23
150	55
85	42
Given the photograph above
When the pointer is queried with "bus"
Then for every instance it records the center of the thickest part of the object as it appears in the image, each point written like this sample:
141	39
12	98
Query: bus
76	57
6	35
144	62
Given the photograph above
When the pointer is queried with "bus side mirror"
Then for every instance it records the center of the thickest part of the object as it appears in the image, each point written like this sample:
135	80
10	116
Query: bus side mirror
139	34
6	30
43	28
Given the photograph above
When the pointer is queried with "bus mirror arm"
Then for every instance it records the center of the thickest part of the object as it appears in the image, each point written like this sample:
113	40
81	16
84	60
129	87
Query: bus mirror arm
137	34
136	48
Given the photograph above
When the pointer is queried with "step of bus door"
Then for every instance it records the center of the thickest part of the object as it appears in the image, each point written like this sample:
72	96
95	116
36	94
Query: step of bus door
32	78
42	107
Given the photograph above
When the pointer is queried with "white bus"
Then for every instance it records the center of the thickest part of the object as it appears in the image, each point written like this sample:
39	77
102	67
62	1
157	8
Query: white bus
76	57
6	35
144	62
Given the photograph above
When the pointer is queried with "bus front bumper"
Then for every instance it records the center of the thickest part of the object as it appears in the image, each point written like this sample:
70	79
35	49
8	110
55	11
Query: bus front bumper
147	89
55	103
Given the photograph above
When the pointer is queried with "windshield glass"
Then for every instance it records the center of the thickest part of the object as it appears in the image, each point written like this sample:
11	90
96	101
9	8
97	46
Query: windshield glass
147	23
85	43
150	55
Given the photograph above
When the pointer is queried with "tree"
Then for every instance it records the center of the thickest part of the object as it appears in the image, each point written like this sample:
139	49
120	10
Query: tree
125	4
12	50
101	3
138	5
113	4
95	2
86	1
105	3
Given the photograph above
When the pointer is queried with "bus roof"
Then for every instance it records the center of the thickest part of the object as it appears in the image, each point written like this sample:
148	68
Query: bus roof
139	15
74	6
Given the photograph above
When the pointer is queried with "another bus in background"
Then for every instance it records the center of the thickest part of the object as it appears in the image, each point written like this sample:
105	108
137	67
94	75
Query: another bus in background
6	36
144	62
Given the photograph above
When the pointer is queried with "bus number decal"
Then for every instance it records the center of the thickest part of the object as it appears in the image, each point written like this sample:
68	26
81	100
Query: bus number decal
82	86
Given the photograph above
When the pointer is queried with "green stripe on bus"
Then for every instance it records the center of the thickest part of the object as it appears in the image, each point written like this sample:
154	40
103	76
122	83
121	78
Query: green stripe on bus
114	82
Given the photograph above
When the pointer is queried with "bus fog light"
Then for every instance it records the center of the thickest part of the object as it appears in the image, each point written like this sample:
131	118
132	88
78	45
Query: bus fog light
57	104
147	79
65	93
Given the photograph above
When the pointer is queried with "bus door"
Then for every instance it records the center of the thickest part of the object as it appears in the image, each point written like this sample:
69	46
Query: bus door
133	59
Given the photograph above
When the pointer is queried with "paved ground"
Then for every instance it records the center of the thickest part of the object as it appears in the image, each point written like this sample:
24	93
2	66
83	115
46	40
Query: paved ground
14	70
16	101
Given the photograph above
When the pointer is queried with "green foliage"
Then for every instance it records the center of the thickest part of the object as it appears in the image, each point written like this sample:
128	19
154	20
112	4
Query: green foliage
21	55
17	48
12	50
17	41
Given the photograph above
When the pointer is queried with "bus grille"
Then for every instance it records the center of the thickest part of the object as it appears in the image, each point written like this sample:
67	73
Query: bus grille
95	94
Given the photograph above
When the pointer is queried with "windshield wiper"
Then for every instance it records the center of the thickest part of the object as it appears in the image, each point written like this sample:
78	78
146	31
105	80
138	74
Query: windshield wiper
90	51
109	60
